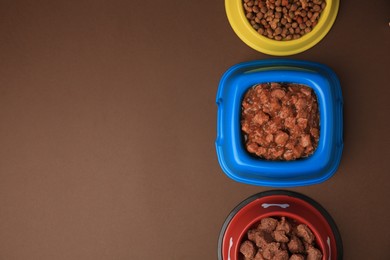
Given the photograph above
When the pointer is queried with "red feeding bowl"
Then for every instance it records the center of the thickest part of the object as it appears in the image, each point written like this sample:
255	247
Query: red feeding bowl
278	203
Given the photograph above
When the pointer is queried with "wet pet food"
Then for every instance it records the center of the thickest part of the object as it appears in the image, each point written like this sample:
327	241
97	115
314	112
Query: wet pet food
280	239
280	121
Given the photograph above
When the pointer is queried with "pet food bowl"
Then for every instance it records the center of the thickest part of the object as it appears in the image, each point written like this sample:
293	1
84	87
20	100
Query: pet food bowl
279	203
233	158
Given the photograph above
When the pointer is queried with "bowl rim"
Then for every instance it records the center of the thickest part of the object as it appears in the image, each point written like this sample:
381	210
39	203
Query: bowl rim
243	29
299	196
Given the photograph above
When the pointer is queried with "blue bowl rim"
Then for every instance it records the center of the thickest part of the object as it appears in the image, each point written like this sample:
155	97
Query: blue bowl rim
300	172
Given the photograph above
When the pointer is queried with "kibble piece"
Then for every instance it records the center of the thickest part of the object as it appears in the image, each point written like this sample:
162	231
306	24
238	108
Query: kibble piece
316	8
293	7
260	30
303	3
250	15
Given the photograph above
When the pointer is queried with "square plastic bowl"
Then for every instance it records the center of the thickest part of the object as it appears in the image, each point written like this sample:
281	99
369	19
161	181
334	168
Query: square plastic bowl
238	164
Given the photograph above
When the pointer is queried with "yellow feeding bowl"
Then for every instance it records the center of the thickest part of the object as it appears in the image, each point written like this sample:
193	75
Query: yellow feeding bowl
244	30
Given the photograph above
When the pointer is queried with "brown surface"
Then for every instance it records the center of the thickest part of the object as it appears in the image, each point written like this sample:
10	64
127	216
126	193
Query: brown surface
107	128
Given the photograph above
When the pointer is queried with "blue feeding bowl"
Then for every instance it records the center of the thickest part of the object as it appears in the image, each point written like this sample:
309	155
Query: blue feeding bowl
233	157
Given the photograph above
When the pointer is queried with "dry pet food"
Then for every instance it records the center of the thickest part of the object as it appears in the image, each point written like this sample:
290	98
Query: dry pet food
283	19
280	121
280	239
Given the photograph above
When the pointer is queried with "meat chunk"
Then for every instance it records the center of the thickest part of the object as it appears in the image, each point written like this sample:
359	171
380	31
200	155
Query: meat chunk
306	91
290	144
252	147
269	138
315	132
259	256
252	235
278	93
245	127
313	253
285	112
264	97
260	237
302	123
305	233
305	140
297	257
281	138
298	151
280	236
270	250
260	118
295	245
301	104
276	152
268	224
288	155
274	106
289	122
261	151
264	239
247	249
281	255
284	225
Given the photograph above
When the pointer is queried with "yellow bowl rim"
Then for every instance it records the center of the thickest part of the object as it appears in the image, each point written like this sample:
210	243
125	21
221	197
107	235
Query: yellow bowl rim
244	30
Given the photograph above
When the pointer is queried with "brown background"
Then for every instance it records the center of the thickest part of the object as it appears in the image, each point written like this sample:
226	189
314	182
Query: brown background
108	121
